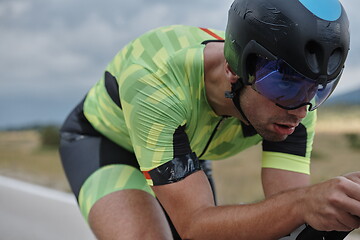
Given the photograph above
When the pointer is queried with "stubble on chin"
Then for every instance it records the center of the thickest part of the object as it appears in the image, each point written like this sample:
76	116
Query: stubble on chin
269	135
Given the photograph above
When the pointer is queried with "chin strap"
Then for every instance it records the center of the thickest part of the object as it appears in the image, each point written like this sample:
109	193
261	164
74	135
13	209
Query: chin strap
234	94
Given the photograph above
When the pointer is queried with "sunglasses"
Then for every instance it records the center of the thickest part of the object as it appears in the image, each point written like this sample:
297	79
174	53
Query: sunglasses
288	89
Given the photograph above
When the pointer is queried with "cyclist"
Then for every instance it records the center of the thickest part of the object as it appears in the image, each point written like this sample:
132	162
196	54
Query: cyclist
178	94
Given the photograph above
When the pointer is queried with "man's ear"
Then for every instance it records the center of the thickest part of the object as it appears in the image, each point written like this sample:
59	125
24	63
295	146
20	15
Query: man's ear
230	74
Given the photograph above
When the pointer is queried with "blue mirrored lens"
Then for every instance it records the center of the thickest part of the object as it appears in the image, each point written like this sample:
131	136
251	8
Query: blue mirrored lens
323	93
281	84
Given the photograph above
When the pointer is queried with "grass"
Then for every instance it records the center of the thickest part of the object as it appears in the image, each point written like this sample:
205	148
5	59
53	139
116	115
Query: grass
339	119
22	157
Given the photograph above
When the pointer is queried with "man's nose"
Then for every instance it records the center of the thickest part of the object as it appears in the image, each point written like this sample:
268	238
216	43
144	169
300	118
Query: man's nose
299	112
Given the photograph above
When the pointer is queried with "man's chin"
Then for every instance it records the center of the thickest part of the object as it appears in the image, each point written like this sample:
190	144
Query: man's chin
272	137
276	139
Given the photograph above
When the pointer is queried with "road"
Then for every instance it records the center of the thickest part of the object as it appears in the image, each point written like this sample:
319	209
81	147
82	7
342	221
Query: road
32	212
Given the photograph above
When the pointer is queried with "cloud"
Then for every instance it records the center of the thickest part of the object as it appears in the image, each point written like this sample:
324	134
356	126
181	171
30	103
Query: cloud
53	51
349	80
13	9
78	40
352	8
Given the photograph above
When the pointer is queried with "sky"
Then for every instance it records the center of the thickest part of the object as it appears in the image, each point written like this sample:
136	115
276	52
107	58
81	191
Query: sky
53	51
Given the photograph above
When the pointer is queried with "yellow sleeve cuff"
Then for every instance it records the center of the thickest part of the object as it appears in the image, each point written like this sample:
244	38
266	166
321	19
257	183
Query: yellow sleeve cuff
286	161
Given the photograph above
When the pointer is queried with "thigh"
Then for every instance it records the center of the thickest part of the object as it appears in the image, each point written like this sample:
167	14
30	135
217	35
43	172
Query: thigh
112	193
119	204
80	158
107	180
129	214
82	155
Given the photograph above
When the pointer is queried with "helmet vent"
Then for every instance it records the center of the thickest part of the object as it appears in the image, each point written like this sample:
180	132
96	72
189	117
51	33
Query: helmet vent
313	55
334	61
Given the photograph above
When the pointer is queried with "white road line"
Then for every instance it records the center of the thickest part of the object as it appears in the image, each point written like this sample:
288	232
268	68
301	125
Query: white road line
29	212
37	190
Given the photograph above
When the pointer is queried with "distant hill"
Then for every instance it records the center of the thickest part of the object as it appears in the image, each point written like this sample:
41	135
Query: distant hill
35	126
351	97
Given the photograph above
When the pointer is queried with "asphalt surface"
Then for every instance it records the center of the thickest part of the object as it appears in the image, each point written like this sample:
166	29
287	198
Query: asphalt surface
31	212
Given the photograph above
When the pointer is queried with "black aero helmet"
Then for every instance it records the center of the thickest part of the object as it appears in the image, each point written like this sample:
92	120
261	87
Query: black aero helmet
311	36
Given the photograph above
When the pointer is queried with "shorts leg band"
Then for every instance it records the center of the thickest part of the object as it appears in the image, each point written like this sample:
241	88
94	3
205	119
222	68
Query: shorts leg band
109	179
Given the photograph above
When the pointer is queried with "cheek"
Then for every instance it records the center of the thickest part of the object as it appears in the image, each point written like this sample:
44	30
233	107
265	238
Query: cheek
258	113
258	108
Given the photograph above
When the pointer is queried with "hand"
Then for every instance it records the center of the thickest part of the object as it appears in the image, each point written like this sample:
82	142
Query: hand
355	177
334	204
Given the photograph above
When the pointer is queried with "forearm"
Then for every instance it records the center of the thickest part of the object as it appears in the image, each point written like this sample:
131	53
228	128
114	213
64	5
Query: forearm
331	205
276	180
270	219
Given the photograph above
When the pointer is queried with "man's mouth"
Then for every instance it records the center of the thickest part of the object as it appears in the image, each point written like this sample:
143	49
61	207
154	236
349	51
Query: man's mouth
284	128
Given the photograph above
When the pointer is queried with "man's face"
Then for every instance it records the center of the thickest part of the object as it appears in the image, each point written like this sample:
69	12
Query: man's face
270	121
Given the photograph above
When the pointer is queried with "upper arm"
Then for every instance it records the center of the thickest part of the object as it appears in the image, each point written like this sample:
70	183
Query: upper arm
184	198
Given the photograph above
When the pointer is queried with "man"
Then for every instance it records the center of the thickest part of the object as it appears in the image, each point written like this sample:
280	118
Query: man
178	94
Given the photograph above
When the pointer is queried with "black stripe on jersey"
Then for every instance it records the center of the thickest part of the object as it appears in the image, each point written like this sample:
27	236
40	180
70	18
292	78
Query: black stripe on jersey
181	144
294	144
184	163
248	130
112	88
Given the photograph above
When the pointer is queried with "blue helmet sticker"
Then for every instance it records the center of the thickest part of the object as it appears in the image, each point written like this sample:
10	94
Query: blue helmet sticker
329	10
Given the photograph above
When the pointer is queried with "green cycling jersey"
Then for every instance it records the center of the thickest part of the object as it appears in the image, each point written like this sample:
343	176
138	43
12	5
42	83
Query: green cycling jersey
154	88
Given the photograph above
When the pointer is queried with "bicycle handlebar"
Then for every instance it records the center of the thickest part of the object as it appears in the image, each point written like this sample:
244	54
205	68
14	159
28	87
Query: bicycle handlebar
311	233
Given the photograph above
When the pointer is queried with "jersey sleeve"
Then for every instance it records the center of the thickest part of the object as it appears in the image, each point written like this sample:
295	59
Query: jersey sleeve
294	153
152	112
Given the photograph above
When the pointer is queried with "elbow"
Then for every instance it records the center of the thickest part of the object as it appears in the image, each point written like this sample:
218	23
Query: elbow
196	226
188	231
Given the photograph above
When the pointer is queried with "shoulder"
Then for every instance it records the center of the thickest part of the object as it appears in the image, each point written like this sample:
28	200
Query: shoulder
310	120
181	36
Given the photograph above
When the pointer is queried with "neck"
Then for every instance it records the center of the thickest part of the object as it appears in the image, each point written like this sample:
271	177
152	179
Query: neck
217	81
